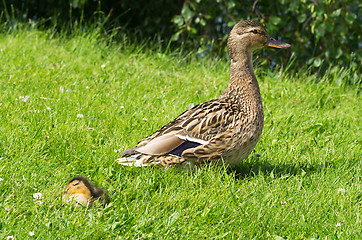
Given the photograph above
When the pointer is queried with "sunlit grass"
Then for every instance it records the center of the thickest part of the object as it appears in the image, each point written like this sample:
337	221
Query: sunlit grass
69	105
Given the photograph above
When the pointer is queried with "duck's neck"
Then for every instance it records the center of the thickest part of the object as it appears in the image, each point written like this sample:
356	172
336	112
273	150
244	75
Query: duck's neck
243	83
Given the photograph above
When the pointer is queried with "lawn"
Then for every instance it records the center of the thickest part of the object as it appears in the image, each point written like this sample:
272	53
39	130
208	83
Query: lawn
68	105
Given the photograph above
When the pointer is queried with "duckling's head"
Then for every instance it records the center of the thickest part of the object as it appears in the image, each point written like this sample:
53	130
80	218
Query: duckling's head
247	36
80	190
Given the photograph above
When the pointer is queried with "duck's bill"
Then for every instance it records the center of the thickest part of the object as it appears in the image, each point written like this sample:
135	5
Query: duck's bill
277	44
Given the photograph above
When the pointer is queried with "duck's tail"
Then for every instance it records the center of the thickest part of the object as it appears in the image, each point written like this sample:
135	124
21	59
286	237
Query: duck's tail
132	161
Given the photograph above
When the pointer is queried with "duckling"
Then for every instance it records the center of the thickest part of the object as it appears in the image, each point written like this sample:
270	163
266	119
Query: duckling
82	191
221	131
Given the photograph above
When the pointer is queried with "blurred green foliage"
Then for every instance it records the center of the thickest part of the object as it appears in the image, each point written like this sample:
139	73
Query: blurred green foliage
325	34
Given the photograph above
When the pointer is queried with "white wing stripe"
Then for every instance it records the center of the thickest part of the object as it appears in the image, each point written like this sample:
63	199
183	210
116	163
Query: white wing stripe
191	139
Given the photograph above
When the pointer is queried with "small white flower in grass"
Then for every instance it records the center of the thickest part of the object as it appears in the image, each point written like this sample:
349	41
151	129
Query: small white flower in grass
39	202
24	98
341	191
115	150
61	89
103	66
46	137
1	179
36	111
38	195
145	119
121	107
7	209
86	87
10	237
283	202
31	233
80	116
48	108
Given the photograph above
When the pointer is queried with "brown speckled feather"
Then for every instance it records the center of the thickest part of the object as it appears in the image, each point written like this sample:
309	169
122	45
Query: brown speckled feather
222	130
204	121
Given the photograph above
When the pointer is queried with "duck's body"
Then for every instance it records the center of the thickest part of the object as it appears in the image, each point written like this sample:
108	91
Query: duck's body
83	192
221	131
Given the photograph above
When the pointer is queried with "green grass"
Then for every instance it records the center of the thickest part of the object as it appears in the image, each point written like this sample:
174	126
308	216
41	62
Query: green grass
310	147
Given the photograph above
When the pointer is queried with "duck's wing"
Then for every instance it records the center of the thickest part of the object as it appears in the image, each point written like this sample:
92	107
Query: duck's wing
195	127
192	122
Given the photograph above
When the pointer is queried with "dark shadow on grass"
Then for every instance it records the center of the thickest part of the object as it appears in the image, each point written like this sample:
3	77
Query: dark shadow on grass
249	168
254	166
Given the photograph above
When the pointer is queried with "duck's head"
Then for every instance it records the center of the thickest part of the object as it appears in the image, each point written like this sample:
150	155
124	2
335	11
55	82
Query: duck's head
80	190
248	35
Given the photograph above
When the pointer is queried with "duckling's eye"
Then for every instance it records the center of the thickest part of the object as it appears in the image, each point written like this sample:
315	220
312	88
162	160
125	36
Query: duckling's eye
254	31
75	184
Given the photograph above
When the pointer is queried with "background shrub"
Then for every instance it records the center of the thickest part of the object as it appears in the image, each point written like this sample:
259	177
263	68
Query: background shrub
322	33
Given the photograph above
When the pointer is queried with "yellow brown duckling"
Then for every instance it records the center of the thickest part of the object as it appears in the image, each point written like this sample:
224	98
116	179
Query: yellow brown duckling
221	131
82	191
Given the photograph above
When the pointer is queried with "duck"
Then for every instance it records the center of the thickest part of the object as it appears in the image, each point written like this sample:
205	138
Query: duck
81	191
222	131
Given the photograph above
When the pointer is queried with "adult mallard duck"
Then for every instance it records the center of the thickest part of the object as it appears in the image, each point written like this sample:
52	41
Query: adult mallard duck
224	130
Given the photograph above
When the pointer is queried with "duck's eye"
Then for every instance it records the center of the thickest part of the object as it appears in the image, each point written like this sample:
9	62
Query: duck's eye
75	184
254	31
